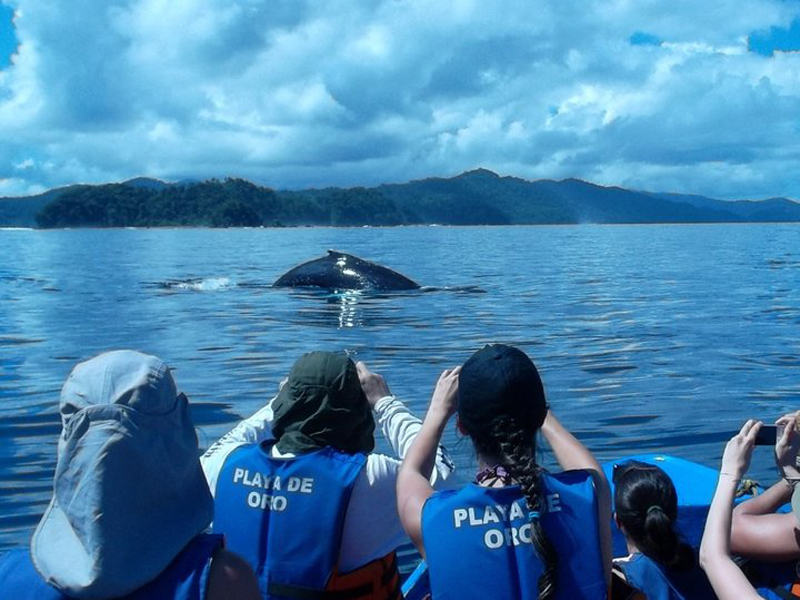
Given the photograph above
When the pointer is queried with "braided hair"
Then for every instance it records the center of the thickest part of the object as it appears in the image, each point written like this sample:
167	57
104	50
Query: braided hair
501	406
514	445
646	504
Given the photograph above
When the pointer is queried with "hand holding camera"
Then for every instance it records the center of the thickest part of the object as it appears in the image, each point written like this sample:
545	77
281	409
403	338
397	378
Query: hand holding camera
787	445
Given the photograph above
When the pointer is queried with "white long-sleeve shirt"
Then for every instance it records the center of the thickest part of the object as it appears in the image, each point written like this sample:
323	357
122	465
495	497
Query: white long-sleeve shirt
372	527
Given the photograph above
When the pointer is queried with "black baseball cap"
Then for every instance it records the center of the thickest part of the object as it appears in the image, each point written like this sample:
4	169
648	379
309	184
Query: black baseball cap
500	381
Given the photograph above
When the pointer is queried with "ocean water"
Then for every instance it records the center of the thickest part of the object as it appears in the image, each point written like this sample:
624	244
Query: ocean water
648	338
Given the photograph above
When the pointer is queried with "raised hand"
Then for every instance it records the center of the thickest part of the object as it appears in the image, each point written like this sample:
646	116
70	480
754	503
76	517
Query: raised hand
736	458
373	384
788	445
446	392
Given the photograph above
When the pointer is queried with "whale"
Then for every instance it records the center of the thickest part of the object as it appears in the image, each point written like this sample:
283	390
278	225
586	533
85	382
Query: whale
340	271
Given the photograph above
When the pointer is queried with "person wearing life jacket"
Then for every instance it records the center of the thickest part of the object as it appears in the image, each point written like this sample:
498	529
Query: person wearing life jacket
130	503
659	564
301	495
517	531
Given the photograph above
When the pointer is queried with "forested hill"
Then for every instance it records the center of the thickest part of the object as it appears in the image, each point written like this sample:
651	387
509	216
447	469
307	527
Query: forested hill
474	198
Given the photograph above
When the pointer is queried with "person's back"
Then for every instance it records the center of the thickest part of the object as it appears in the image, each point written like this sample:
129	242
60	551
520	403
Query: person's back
306	502
659	564
491	531
517	532
285	516
130	501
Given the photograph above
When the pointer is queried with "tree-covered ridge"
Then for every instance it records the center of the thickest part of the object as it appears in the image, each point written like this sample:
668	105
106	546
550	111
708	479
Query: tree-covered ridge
477	197
214	203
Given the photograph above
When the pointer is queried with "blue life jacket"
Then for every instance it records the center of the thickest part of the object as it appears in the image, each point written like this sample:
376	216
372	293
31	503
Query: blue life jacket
186	577
774	581
660	583
285	516
478	541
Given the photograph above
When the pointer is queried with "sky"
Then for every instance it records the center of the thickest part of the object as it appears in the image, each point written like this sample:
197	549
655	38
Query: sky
680	96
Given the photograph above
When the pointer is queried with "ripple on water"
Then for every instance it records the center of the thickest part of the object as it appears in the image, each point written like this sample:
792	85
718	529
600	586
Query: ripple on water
10	340
606	369
771	360
631	420
648	440
211	413
191	284
46	424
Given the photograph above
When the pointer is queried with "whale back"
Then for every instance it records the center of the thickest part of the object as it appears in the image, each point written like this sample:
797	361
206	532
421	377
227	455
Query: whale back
340	271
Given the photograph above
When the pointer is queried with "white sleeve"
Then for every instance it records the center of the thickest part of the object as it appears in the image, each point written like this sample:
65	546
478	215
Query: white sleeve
400	428
254	429
372	526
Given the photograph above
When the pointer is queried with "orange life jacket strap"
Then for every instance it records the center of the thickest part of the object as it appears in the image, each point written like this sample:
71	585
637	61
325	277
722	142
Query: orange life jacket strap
790	594
377	580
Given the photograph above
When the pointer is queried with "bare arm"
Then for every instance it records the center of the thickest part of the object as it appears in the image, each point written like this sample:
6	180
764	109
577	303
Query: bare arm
413	480
231	578
766	503
571	454
726	578
757	531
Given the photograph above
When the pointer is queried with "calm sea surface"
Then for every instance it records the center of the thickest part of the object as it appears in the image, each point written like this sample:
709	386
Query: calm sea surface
649	338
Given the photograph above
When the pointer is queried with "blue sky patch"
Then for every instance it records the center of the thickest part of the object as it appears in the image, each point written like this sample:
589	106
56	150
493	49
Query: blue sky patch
777	38
8	40
640	38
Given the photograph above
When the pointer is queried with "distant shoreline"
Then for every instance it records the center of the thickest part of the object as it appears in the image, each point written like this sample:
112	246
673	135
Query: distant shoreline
477	197
413	226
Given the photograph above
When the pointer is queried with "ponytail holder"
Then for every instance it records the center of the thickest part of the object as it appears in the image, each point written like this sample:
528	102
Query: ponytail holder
533	515
652	509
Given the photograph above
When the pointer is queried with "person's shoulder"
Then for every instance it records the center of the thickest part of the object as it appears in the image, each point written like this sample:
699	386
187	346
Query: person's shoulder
440	496
231	578
575	479
569	476
222	449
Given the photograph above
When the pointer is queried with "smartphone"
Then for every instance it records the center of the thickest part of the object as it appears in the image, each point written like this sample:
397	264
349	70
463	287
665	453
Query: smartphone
767	435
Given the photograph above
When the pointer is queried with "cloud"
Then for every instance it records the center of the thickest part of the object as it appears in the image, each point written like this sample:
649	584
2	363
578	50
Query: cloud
295	94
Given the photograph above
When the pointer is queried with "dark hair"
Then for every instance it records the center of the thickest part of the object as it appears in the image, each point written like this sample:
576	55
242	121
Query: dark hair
502	381
514	446
646	504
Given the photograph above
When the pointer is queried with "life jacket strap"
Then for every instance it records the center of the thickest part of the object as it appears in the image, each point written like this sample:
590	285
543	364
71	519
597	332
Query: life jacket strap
377	580
303	593
381	573
793	593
